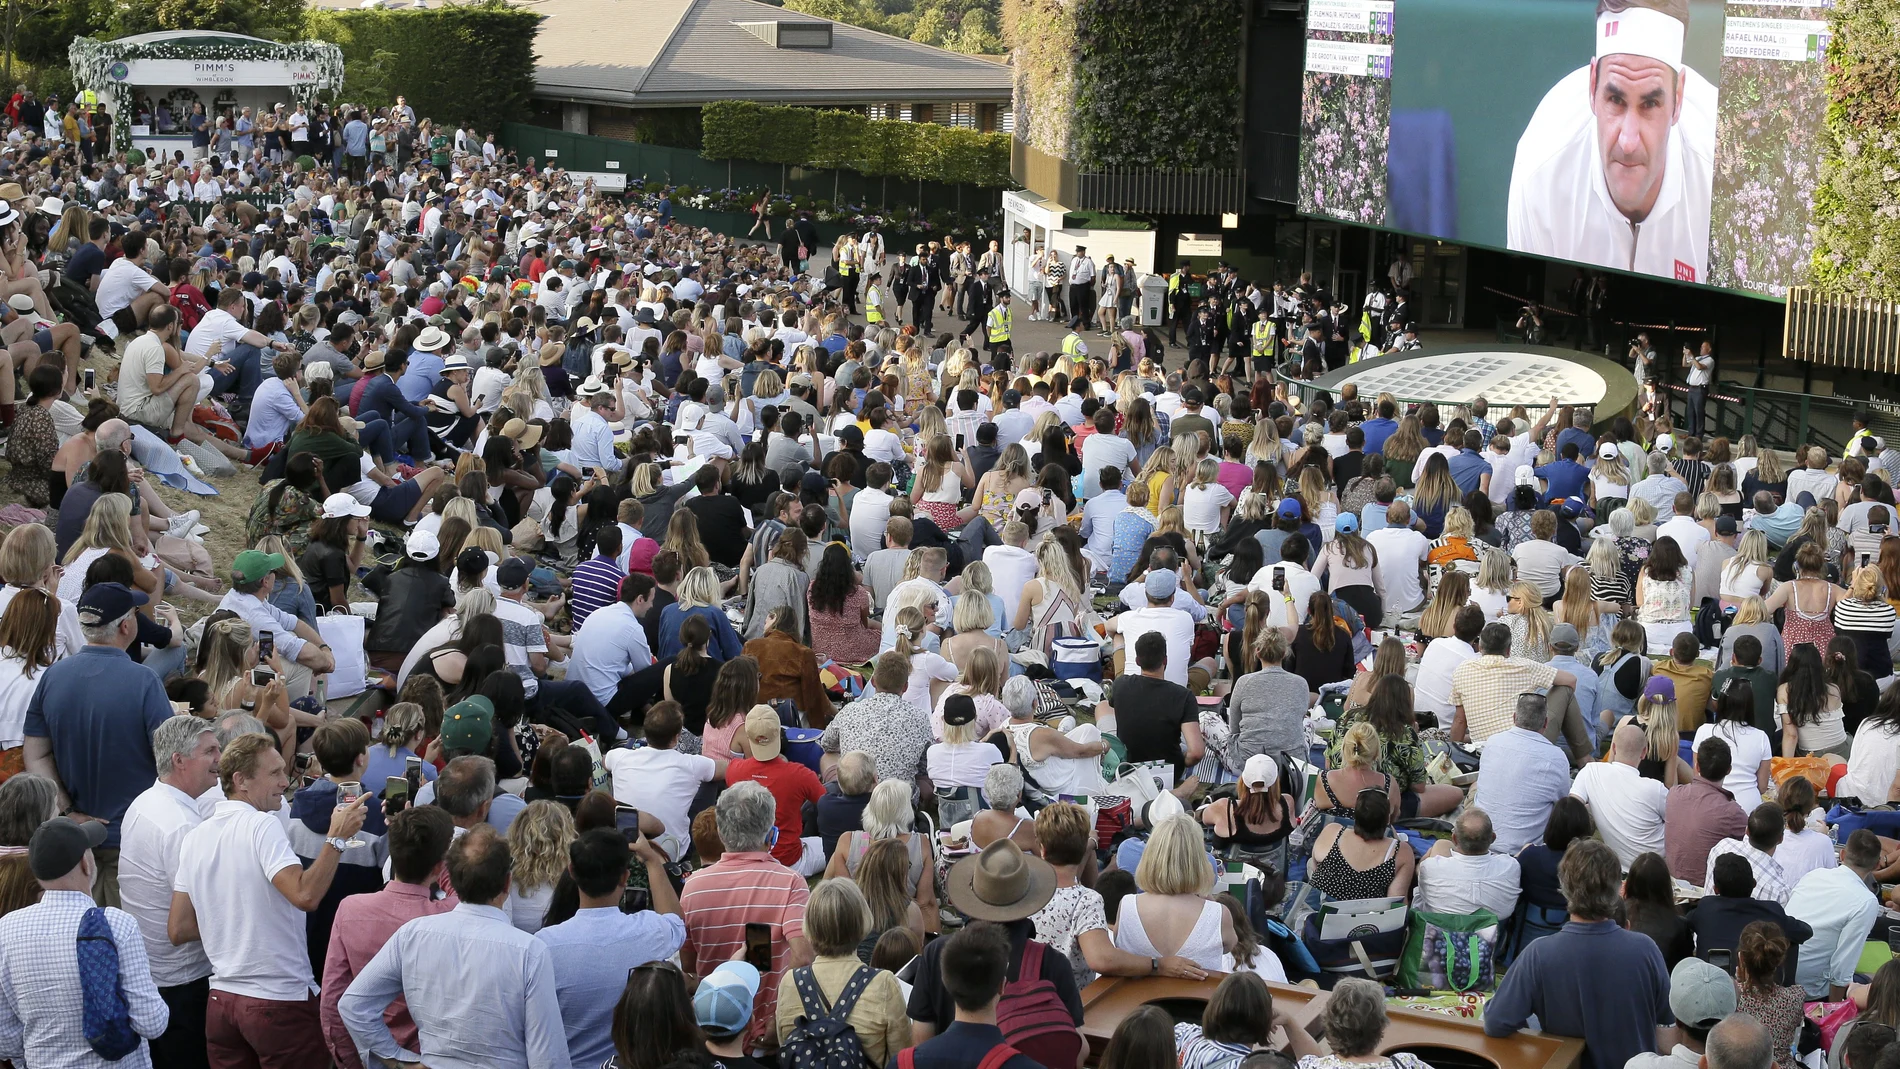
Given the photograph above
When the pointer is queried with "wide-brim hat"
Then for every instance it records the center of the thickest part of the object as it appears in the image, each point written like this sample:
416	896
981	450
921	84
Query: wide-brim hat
455	362
1001	883
432	340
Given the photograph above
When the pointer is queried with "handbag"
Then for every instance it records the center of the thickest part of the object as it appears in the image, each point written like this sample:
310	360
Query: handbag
1451	951
1135	783
343	631
1363	937
527	536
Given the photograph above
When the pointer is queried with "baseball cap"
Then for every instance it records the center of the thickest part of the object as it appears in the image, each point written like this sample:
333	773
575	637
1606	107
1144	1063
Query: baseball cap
764	732
104	602
1162	584
1700	994
1347	523
1289	508
1607	451
959	709
812	481
1526	475
1660	688
1259	771
252	565
58	845
1725	525
723	1002
513	572
339	505
1665	442
1564	635
1030	498
468	725
422	545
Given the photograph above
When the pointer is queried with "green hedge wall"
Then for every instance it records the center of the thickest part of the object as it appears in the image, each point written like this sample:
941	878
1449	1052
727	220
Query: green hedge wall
457	64
1857	203
1128	83
807	137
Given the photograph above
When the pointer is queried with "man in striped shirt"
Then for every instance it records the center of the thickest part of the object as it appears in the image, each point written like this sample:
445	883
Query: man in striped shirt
746	885
596	581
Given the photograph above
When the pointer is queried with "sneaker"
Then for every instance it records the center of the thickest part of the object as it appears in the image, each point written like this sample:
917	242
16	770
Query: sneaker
191	464
185	520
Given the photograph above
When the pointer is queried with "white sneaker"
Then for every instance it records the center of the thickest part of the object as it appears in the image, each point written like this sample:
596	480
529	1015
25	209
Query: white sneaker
184	521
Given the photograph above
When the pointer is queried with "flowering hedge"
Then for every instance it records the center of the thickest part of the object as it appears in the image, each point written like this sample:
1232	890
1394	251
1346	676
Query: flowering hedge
808	137
1128	83
1857	203
1344	124
1760	222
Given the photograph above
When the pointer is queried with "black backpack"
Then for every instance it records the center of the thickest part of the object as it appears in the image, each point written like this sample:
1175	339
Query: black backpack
821	1037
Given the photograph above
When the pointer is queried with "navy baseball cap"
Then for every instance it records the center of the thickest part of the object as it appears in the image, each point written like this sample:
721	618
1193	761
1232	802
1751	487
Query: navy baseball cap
103	603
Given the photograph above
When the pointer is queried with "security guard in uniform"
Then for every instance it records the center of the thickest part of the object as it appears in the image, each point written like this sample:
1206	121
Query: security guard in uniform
1265	348
873	299
998	324
1074	346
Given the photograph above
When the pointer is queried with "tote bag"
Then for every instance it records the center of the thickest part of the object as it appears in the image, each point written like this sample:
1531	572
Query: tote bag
344	632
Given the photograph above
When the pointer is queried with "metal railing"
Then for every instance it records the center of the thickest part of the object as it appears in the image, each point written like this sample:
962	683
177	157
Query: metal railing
1144	189
1840	331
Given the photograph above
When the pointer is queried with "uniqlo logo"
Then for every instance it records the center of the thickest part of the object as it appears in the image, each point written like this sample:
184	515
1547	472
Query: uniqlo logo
1685	272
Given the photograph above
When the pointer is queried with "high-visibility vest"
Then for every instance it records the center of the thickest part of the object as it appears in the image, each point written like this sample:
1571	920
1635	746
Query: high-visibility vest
1001	319
1073	345
873	304
1263	337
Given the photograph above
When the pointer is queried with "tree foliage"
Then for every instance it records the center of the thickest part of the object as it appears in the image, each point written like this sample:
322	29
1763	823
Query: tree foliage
455	63
808	137
969	26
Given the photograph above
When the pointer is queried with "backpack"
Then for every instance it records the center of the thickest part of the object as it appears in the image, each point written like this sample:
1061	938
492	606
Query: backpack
821	1037
1034	1019
995	1059
108	1021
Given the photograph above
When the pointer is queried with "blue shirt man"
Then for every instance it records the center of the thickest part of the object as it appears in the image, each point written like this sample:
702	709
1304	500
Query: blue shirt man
1467	468
594	950
1592	979
356	136
1563	477
1563	657
89	723
424	369
1380	428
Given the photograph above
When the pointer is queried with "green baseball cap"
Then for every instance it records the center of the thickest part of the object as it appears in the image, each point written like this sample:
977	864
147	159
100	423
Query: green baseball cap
468	725
252	565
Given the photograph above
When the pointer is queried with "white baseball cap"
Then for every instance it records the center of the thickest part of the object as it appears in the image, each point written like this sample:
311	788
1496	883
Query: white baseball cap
1259	771
340	504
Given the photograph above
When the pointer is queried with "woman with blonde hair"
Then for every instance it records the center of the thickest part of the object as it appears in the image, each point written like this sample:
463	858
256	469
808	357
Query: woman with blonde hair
1655	713
1402	449
889	816
1170	522
1753	618
1450	595
1578	606
929	672
682	537
1491	591
1207	505
995	497
1158	474
1171	915
1750	573
981	680
699	596
974	617
1052	603
938	489
108	529
1435	496
227	655
1140	429
1608	487
1322	505
1368	862
1458	546
537	841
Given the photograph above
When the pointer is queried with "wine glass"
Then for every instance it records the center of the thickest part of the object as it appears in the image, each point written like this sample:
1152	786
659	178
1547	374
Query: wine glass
347	792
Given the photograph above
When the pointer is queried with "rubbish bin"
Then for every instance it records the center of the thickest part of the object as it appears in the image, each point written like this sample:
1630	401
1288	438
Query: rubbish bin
1154	300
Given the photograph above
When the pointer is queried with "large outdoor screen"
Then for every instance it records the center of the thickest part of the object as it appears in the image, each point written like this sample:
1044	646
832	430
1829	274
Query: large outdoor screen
1677	138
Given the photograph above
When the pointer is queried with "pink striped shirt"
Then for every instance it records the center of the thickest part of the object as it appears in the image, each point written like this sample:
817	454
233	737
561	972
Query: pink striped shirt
720	900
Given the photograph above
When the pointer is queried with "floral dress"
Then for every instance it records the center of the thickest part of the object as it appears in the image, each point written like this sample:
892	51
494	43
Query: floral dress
1631	554
1779	1009
30	449
1402	759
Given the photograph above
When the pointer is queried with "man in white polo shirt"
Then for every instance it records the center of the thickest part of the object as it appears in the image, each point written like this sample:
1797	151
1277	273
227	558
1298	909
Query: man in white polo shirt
241	891
1159	615
150	836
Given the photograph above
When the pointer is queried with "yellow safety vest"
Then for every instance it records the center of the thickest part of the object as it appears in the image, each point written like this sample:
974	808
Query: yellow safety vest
1073	345
1263	337
1001	319
873	304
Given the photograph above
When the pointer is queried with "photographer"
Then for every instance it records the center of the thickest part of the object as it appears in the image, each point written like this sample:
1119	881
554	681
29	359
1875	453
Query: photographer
1642	358
1531	325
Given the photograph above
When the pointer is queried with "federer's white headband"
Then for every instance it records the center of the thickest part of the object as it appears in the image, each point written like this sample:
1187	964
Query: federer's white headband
1641	31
